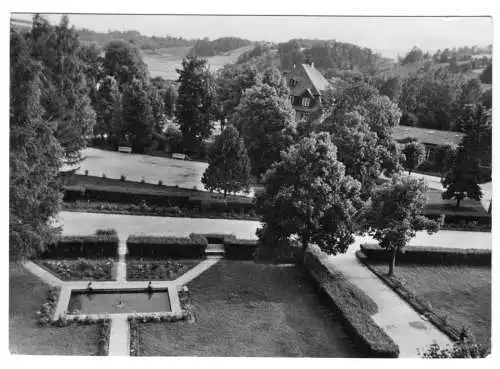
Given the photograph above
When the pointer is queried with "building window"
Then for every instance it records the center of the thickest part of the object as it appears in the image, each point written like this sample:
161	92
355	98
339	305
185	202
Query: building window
306	117
306	101
292	82
291	99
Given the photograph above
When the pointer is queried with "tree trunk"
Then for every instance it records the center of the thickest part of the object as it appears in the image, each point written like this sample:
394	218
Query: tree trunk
305	244
392	262
225	192
458	203
409	172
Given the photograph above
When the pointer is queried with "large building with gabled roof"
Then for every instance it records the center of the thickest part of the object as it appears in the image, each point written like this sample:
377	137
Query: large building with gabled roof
307	86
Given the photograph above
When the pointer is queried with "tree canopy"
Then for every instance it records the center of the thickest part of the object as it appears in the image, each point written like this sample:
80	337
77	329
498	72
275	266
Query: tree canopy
307	195
394	214
35	157
266	122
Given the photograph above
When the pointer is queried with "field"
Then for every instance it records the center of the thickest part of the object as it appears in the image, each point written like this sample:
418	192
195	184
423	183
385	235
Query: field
462	294
164	62
27	294
248	309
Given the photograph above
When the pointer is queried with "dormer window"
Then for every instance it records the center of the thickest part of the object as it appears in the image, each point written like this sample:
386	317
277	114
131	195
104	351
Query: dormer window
292	82
306	101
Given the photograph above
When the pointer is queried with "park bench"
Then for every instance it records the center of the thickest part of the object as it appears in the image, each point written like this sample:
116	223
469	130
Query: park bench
125	149
179	156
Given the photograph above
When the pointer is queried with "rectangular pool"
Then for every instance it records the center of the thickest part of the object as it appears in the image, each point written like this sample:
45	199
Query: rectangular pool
116	302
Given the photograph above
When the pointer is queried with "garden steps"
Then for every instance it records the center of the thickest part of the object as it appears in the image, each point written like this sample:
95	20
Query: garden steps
215	249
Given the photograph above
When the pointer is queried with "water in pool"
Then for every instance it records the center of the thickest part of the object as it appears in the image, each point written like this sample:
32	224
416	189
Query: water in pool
119	302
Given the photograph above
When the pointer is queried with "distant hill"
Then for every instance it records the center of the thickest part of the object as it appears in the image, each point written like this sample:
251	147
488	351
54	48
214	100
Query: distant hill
219	46
164	62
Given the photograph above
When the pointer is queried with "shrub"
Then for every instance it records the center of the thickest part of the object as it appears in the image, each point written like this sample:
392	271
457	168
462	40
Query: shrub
106	232
354	306
102	246
123	178
86	172
46	312
154	270
154	246
160	183
104	176
431	255
143	180
214	237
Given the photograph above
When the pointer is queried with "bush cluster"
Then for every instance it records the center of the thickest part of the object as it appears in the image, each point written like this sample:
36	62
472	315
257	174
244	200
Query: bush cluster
353	305
96	245
160	246
45	314
156	317
430	255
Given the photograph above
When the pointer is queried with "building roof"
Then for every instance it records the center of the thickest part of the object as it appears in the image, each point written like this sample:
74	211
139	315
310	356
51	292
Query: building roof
427	136
315	81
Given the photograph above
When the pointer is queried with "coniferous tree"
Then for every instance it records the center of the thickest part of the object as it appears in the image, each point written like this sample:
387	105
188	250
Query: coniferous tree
35	157
229	165
64	96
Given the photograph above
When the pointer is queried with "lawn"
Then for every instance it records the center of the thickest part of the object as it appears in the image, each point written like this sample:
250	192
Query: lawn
27	293
158	270
462	294
246	309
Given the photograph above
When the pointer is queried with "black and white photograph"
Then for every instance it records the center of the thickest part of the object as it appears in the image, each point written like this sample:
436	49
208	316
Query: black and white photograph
250	185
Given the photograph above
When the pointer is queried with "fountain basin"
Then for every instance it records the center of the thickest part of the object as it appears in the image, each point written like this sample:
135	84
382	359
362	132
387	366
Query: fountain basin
119	302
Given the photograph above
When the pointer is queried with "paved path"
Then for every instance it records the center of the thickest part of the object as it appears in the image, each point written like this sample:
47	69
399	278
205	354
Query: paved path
87	223
119	337
399	320
196	271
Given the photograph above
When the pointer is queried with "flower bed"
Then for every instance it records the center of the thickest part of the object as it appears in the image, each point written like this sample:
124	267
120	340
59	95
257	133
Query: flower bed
79	269
157	270
353	305
155	210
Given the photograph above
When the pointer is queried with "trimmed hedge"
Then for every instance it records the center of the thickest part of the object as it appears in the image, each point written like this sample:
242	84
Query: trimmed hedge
96	245
216	238
430	255
240	249
353	305
160	246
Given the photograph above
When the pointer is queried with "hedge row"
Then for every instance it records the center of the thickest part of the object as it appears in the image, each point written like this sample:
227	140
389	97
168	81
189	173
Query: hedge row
182	198
240	249
430	255
215	238
97	245
159	246
353	305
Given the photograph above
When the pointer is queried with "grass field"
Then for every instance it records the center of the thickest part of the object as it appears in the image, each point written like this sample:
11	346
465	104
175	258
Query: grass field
462	294
248	309
27	293
164	62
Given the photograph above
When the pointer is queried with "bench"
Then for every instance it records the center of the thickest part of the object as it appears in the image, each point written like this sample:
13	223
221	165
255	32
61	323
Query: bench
179	156
125	149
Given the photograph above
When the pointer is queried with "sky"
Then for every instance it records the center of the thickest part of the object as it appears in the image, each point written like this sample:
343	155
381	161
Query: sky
388	35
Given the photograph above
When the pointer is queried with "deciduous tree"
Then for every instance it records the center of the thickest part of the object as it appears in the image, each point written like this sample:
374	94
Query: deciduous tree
229	165
266	123
195	103
123	61
394	214
414	153
307	195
